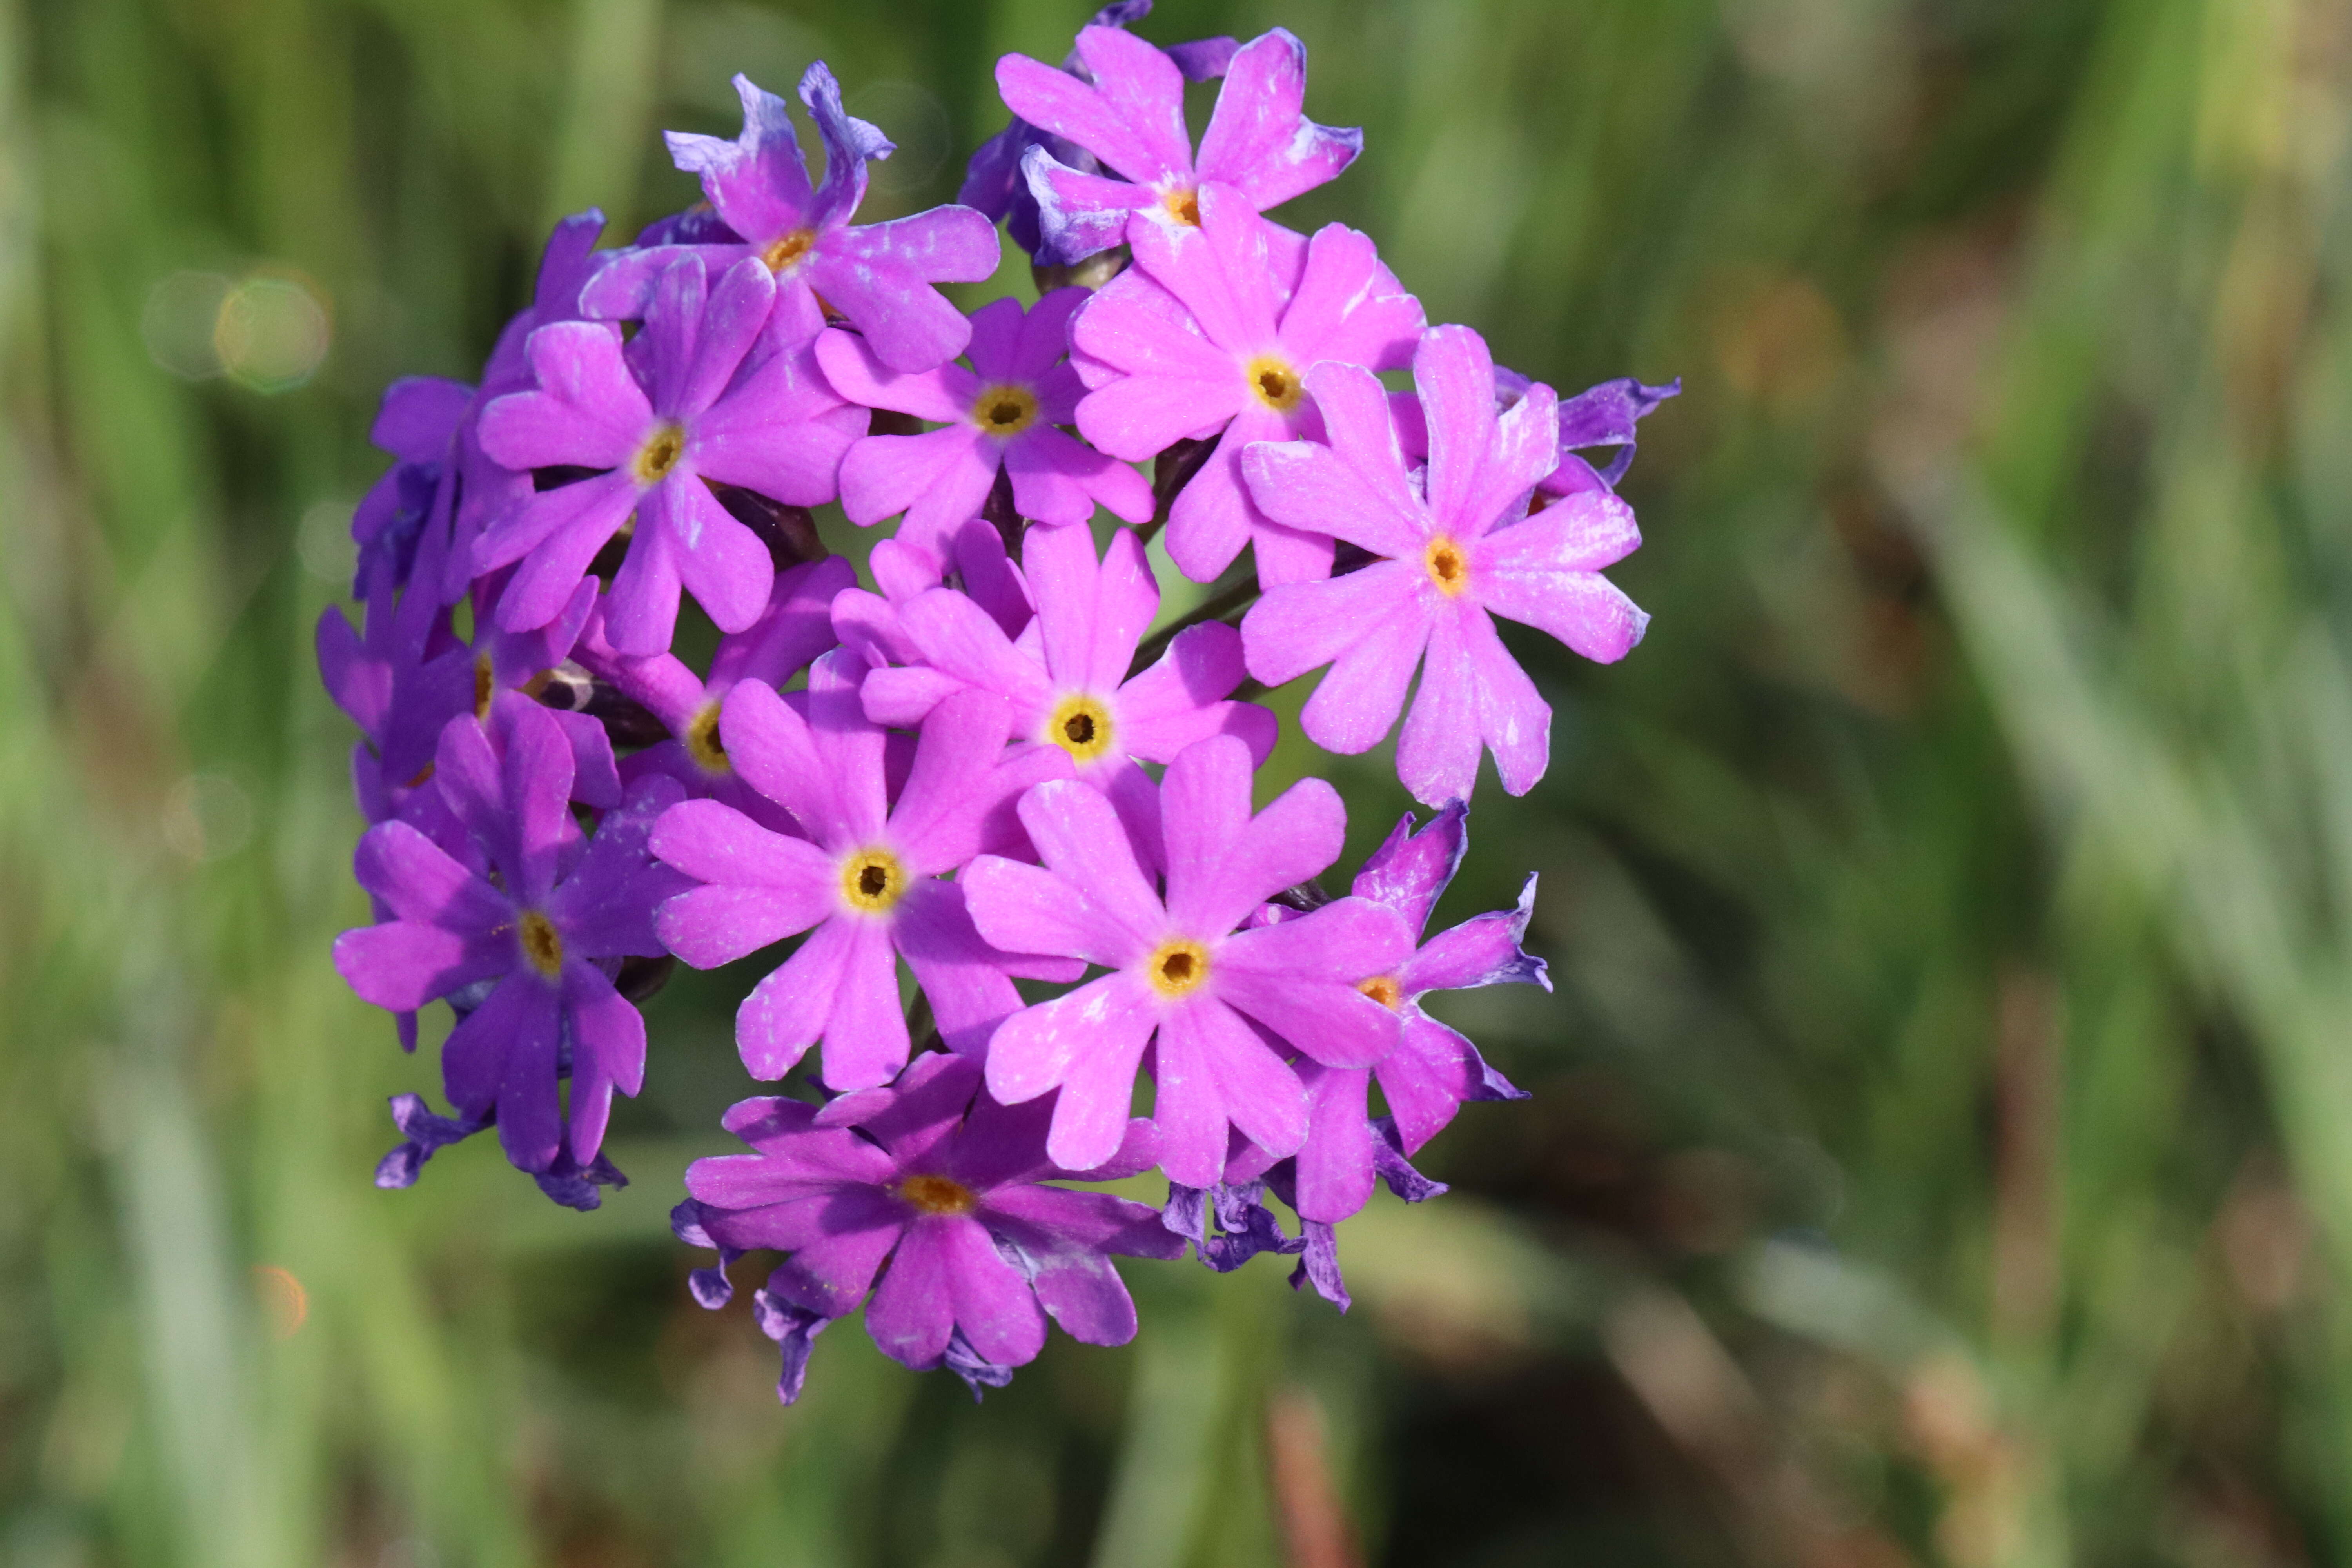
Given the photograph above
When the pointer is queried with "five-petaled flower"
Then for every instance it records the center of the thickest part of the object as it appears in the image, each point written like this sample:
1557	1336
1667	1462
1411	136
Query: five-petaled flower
880	276
1210	996
1004	414
658	419
1202	337
540	939
1259	147
1456	548
867	881
943	1193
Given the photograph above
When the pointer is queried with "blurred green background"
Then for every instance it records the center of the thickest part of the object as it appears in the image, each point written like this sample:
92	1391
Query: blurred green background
1942	1142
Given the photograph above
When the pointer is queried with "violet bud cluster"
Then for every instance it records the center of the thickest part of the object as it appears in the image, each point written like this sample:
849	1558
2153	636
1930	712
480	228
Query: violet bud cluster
981	769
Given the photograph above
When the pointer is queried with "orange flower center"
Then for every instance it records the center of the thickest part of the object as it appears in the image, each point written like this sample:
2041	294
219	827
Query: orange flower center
939	1195
1179	967
789	249
702	742
1004	411
1276	383
1184	206
1448	567
660	454
1384	990
542	943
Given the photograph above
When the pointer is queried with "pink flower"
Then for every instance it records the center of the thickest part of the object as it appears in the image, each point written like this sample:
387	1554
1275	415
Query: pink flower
1259	147
658	420
1066	684
867	881
1204	336
881	276
1002	414
1457	548
1219	1005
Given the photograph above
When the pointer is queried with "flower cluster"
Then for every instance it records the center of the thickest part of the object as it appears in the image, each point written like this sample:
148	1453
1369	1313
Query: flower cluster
984	767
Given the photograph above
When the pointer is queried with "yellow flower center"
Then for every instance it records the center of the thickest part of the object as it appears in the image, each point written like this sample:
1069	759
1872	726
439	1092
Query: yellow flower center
1448	567
1179	967
873	880
939	1195
484	686
788	249
659	455
1004	411
702	742
542	943
1276	384
1383	989
1081	726
1184	206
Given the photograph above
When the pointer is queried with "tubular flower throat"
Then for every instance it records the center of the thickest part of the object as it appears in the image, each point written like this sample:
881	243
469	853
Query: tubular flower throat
873	880
939	1195
1004	411
659	455
788	249
1081	726
1183	205
1276	383
1447	567
1178	967
703	744
1384	990
542	943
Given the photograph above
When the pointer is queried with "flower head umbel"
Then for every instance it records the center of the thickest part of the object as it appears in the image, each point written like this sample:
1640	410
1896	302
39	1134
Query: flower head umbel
1456	548
866	881
1216	1001
658	419
528	954
946	1196
995	181
1128	111
880	276
1068	683
1004	414
966	753
1202	337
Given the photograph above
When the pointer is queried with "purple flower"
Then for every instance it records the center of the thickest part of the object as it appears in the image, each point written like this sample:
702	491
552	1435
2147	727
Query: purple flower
659	418
1200	337
531	951
409	676
880	276
1457	549
1128	112
1001	414
416	423
1433	1068
488	489
794	629
1068	685
1603	416
867	881
945	1196
1223	1005
993	181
